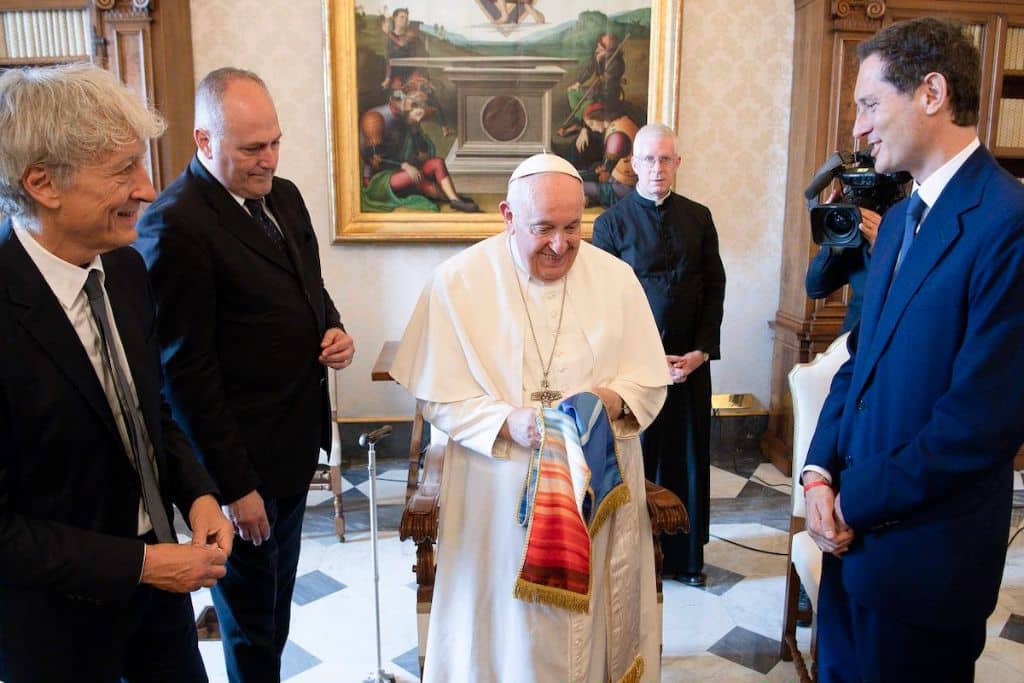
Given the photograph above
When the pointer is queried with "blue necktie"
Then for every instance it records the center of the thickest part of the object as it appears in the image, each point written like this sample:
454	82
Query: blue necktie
915	209
255	207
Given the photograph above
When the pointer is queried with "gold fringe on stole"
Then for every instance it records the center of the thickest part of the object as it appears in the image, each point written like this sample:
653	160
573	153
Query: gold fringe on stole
618	497
634	672
548	595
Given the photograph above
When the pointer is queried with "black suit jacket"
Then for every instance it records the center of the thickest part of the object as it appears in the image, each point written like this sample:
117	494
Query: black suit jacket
240	324
69	496
673	249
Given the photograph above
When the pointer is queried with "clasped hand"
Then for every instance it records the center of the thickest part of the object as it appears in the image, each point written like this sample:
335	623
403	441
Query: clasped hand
825	523
336	349
181	568
681	367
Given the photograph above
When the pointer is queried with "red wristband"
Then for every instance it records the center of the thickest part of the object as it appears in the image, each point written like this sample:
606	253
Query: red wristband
817	482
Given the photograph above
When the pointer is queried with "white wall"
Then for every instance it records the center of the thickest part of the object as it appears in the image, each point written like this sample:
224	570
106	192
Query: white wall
734	117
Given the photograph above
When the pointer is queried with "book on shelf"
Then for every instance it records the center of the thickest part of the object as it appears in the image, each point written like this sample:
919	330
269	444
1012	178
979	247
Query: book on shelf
1013	54
64	31
1015	46
3	38
81	32
1010	130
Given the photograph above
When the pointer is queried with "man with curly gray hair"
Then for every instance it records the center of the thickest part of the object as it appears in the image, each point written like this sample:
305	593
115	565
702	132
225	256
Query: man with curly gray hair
93	584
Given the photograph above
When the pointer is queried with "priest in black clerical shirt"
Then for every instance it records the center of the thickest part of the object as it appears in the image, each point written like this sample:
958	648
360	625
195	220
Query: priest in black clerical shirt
671	243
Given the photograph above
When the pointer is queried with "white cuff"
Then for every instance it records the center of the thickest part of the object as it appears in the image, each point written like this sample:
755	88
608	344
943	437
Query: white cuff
819	470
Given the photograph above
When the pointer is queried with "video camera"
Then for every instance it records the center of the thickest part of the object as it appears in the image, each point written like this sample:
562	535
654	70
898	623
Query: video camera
836	225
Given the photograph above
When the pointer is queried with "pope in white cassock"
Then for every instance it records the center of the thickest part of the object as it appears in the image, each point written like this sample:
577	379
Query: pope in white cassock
512	324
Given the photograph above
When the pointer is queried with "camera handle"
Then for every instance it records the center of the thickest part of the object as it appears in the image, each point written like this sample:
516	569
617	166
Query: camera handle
825	175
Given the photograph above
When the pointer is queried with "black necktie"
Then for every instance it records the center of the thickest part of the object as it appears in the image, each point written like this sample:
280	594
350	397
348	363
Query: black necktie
915	209
255	207
130	416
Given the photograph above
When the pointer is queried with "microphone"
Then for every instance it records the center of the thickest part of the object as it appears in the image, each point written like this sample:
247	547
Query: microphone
370	438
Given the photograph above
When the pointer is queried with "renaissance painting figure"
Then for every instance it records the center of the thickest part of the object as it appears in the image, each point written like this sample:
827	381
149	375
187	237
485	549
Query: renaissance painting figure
401	168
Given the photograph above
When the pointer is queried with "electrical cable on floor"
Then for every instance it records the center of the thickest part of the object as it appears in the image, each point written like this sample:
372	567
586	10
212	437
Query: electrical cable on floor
759	480
1015	535
748	547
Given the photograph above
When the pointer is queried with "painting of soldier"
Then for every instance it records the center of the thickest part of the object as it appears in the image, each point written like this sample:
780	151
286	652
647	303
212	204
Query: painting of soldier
607	133
603	71
431	78
400	166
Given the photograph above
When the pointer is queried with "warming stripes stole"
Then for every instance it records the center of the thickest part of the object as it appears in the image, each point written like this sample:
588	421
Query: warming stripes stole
574	483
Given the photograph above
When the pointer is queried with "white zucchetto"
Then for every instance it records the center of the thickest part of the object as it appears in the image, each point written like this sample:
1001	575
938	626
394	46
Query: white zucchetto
544	163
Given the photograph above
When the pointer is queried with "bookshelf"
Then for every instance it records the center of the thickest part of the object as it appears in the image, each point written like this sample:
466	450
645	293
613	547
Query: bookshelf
38	37
147	44
1008	117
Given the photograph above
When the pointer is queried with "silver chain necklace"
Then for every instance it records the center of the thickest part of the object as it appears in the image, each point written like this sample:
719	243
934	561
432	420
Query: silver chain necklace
546	395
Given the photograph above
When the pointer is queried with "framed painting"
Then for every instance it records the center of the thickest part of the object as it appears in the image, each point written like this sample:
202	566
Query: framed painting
433	104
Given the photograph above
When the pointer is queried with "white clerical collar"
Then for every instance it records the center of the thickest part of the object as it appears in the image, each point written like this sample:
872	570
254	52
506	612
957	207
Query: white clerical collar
934	184
66	280
658	201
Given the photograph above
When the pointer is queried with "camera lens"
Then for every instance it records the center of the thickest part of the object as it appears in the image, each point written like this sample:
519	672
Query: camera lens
839	222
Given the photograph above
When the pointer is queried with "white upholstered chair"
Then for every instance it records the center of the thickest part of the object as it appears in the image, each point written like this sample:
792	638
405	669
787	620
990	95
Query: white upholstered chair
809	385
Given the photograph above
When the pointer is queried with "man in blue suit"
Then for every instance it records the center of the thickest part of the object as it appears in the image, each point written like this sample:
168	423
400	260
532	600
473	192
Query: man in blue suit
908	483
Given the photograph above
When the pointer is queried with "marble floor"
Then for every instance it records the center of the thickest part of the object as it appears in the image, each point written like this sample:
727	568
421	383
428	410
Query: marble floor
725	632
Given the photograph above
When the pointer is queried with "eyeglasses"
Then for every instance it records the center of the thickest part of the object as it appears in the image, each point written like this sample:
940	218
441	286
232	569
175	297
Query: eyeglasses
663	161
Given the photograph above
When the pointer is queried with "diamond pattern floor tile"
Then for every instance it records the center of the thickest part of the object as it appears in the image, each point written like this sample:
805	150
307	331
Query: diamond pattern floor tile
313	586
1014	629
295	660
748	649
410	661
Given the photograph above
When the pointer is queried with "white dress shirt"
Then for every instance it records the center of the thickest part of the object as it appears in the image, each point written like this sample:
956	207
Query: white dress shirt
67	282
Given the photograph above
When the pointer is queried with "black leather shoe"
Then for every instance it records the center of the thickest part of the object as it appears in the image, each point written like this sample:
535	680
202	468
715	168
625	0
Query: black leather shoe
803	608
698	579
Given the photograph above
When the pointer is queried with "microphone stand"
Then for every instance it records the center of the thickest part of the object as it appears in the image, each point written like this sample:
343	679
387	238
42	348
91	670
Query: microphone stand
369	440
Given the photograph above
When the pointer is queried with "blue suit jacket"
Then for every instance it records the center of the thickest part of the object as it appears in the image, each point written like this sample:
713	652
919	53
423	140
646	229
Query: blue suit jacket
922	423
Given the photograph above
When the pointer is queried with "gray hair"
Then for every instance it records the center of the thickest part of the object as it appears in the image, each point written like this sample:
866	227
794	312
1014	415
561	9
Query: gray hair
64	117
656	130
210	96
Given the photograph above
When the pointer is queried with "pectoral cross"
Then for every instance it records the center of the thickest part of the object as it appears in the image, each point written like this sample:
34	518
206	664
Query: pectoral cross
546	395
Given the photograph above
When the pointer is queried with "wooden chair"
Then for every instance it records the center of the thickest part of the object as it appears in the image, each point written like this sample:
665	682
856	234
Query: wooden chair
809	385
421	517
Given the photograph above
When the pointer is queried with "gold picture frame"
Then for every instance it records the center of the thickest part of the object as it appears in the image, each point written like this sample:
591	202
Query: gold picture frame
352	223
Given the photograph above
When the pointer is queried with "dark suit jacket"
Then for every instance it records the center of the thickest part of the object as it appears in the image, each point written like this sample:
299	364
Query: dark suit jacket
69	497
240	324
922	423
829	270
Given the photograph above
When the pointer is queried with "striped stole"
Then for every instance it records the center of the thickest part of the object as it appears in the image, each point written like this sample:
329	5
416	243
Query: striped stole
573	485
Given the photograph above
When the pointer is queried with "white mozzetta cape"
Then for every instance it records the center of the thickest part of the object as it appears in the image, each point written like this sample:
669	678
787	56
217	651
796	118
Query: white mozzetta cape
462	356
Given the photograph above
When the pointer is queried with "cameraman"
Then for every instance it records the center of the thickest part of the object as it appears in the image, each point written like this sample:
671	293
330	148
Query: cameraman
834	267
